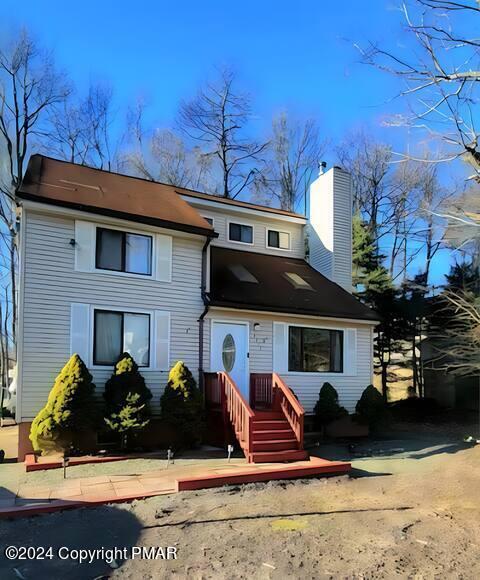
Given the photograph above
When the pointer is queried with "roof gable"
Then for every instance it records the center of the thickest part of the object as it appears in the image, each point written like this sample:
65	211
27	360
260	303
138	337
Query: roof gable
80	187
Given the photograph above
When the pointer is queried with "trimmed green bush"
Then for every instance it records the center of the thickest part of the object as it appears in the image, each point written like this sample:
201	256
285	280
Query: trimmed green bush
371	409
182	407
70	410
126	395
327	408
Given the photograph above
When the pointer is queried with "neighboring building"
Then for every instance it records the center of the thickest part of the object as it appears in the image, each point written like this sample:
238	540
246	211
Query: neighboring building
110	263
448	388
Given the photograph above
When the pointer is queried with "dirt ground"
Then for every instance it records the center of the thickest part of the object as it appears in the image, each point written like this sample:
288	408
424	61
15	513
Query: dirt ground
411	508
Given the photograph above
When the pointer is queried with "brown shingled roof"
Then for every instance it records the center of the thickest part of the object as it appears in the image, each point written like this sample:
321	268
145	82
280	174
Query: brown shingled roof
254	281
84	188
238	203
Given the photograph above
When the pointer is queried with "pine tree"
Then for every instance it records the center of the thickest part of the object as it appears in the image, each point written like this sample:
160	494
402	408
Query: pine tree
463	276
70	410
369	276
374	286
126	400
182	407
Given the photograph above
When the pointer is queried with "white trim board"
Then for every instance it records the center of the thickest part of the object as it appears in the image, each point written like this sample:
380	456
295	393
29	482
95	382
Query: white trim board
20	322
269	313
232	209
70	213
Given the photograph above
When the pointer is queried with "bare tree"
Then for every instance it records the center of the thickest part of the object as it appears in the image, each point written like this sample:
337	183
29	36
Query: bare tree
462	215
29	87
439	74
80	130
163	156
66	137
98	116
216	119
431	225
294	152
458	341
368	162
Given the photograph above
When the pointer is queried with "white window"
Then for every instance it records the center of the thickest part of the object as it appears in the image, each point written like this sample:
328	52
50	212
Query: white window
241	233
315	350
278	240
123	252
117	332
115	251
99	334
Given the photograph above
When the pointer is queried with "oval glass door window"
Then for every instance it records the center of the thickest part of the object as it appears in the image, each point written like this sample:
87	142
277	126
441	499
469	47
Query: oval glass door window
228	352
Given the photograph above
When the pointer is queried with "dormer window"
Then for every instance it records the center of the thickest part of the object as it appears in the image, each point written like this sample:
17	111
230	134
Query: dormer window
241	233
278	240
123	252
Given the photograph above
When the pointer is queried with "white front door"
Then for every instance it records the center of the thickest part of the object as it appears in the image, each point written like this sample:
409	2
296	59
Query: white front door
229	353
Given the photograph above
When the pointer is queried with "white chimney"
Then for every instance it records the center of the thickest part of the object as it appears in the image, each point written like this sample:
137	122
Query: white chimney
330	226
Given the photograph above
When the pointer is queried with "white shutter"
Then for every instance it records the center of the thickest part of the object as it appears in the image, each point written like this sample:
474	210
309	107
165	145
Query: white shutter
280	347
84	246
350	352
163	251
162	340
80	331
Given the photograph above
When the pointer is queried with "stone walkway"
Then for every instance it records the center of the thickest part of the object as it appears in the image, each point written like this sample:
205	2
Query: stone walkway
78	492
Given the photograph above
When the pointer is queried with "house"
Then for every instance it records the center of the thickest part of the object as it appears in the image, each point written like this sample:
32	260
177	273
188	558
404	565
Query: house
110	263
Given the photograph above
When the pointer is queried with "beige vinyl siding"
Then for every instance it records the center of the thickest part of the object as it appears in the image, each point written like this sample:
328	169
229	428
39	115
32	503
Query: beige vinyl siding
260	226
305	385
51	285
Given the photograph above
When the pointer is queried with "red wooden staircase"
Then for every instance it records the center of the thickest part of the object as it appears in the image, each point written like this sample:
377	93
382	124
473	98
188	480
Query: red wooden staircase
265	436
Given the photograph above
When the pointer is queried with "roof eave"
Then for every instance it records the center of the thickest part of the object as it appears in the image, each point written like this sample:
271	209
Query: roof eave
119	214
287	310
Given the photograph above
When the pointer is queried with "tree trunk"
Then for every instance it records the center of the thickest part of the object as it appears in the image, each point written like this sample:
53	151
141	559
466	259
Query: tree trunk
384	380
414	365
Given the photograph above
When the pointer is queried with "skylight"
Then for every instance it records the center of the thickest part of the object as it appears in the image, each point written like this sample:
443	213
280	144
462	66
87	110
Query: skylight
242	274
297	281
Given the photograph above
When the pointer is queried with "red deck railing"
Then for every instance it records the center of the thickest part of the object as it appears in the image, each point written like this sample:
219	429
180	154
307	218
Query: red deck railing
285	400
267	391
239	412
221	391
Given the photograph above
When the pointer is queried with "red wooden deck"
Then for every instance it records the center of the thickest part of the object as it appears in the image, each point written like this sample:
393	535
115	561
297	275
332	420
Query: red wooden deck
270	433
34	498
265	472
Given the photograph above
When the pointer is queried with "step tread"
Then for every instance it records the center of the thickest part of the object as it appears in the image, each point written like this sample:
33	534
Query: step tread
273	441
286	432
261	421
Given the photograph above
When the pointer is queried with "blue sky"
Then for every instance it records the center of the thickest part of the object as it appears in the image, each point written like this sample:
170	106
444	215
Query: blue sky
294	55
298	56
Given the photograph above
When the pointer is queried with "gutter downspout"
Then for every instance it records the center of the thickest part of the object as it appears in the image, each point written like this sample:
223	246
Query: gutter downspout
203	289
